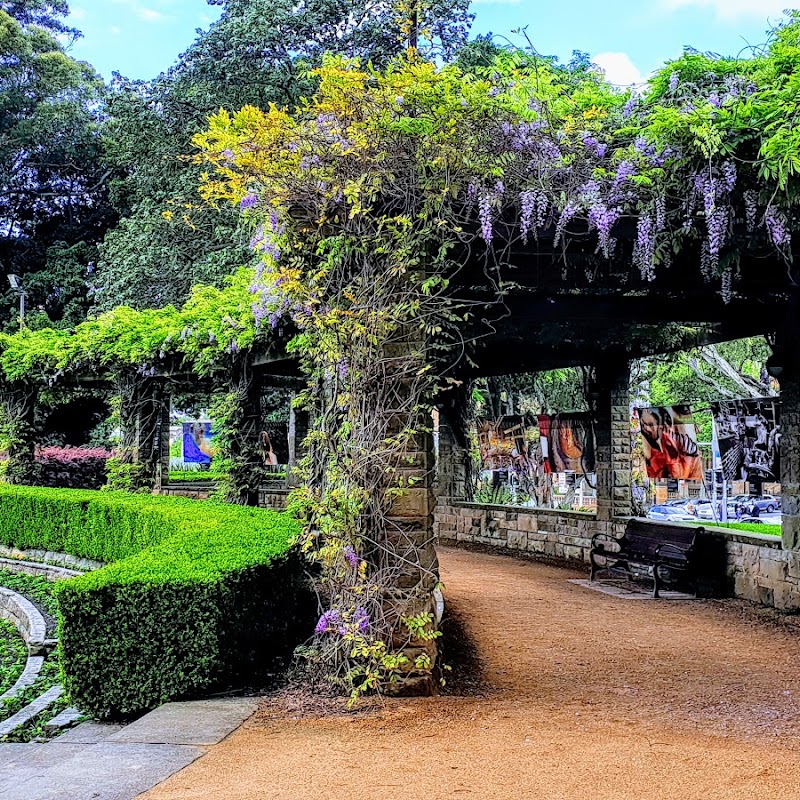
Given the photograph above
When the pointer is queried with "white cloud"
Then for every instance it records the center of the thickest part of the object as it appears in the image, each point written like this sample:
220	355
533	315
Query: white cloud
733	9
619	68
149	14
76	13
142	12
114	30
495	2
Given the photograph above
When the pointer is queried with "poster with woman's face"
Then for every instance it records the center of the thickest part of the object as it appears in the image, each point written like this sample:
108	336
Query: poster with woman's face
567	443
669	442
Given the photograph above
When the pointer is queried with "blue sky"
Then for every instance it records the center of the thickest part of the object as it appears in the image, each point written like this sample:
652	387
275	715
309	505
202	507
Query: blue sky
629	38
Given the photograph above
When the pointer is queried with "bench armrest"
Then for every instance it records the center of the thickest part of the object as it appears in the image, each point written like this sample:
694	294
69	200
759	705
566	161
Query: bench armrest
601	538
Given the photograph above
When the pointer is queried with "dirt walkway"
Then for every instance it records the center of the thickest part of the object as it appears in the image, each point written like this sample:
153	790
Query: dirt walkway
587	697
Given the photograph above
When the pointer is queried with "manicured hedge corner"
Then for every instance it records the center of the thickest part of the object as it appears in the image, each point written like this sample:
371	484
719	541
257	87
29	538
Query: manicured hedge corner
206	594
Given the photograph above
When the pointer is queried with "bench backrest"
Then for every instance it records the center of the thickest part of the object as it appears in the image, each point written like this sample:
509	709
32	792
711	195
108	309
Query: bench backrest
645	537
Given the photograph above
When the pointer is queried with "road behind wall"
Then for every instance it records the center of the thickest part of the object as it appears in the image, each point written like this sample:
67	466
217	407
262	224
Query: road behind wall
585	697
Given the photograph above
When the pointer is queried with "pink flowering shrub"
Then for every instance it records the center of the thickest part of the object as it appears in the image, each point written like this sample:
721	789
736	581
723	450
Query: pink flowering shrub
72	467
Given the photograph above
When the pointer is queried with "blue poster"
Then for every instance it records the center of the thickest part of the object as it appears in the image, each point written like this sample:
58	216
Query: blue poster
197	447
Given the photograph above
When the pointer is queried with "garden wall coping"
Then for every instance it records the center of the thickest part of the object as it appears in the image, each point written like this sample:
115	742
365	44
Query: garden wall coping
523	509
50	557
27	619
48	571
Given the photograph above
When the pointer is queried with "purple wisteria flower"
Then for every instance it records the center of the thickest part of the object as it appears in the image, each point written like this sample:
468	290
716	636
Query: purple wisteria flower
674	81
630	106
248	201
569	212
714	100
351	556
361	620
777	227
485	216
327	621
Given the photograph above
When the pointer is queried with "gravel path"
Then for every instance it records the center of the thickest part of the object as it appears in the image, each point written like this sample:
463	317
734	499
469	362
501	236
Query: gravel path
584	697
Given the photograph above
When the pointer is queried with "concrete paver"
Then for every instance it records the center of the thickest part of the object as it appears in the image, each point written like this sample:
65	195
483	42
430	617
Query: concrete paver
198	722
98	761
103	771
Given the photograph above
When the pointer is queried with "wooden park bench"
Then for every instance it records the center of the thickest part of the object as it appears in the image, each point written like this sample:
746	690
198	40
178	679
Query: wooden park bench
656	550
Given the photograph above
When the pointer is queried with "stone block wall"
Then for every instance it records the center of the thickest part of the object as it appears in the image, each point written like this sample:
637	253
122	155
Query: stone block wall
276	499
544	532
758	568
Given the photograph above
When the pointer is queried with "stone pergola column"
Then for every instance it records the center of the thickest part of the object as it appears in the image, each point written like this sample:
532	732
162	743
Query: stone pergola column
244	429
454	464
17	410
787	356
144	417
610	393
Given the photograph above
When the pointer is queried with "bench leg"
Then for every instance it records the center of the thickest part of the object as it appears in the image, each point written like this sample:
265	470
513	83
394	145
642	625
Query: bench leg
655	582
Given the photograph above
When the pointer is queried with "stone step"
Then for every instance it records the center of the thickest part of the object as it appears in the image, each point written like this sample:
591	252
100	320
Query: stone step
41	703
66	719
33	666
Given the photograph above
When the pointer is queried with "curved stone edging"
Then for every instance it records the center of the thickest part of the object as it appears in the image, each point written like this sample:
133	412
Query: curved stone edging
50	557
27	619
47	571
33	666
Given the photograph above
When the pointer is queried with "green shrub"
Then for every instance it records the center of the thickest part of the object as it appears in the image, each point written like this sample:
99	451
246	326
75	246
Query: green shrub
198	594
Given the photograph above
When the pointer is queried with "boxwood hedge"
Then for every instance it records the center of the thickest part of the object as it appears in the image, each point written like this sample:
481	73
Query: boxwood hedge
196	595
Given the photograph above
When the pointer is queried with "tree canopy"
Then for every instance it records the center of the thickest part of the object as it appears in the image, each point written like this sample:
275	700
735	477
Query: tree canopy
53	206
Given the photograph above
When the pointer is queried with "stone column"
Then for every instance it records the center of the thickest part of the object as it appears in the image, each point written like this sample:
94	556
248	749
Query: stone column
454	464
243	436
17	411
787	357
411	557
142	416
162	435
610	392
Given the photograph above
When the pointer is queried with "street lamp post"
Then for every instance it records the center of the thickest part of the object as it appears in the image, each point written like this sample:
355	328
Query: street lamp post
18	288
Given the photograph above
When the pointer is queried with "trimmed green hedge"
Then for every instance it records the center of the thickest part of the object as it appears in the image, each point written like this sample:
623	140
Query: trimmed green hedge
198	594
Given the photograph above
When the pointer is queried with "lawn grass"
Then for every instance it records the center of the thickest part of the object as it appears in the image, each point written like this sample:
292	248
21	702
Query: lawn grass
769	530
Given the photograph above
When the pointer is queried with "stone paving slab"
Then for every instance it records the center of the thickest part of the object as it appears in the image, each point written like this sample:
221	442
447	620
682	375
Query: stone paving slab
630	591
20	762
196	722
104	771
66	719
88	733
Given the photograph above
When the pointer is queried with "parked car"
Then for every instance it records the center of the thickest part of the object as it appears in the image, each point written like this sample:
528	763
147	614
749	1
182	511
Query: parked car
705	510
669	514
766	502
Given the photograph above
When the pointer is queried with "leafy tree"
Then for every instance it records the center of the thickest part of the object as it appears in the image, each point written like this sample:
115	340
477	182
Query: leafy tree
258	53
53	207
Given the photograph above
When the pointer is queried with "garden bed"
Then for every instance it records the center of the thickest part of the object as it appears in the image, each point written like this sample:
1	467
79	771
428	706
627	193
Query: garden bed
13	654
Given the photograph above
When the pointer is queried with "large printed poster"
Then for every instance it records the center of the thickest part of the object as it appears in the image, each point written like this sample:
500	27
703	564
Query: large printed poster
749	434
669	441
197	447
567	443
504	443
